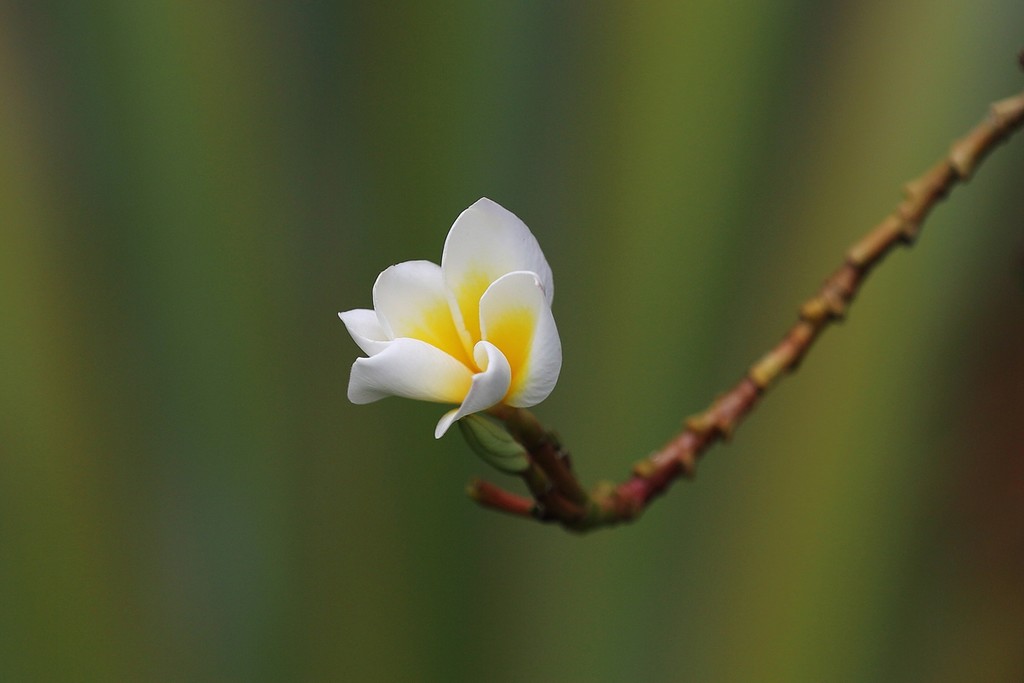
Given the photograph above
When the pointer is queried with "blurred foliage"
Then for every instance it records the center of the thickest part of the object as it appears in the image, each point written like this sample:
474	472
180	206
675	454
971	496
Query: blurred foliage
190	191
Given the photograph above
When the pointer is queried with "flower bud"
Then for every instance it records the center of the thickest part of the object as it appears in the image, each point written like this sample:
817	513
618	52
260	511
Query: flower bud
492	442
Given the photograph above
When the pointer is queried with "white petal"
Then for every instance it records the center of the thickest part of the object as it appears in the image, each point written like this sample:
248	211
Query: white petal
411	301
412	369
365	329
515	317
488	388
485	242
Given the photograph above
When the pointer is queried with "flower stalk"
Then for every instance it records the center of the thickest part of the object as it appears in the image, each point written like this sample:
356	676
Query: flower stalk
557	494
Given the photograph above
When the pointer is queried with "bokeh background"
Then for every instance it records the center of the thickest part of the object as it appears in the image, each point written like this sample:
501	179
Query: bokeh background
190	191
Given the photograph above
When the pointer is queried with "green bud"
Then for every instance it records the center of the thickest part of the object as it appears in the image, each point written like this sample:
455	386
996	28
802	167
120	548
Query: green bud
494	444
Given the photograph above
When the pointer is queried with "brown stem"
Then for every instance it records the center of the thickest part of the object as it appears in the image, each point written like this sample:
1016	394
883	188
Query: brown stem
497	498
545	450
611	504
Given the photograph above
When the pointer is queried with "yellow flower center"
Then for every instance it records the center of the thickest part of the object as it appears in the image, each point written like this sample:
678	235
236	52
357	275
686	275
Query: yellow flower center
437	328
467	296
512	333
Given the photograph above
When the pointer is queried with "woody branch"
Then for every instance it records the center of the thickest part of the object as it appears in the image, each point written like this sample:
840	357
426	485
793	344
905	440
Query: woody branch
557	495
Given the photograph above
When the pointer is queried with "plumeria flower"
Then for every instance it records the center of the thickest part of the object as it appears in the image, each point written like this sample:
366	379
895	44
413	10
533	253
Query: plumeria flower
476	331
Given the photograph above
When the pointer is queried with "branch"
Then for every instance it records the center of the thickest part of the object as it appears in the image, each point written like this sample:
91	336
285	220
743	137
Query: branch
557	494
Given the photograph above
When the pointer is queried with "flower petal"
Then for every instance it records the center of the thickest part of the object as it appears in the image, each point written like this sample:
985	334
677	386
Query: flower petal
485	242
488	387
412	369
411	301
516	318
365	329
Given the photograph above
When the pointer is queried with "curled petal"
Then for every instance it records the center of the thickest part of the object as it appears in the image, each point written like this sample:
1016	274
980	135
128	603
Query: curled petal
412	369
366	330
485	242
488	387
411	301
516	318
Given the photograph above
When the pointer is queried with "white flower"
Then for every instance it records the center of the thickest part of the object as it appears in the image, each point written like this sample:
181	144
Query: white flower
475	331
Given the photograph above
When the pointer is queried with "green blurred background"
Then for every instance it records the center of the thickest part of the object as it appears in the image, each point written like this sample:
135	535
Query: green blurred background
190	191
